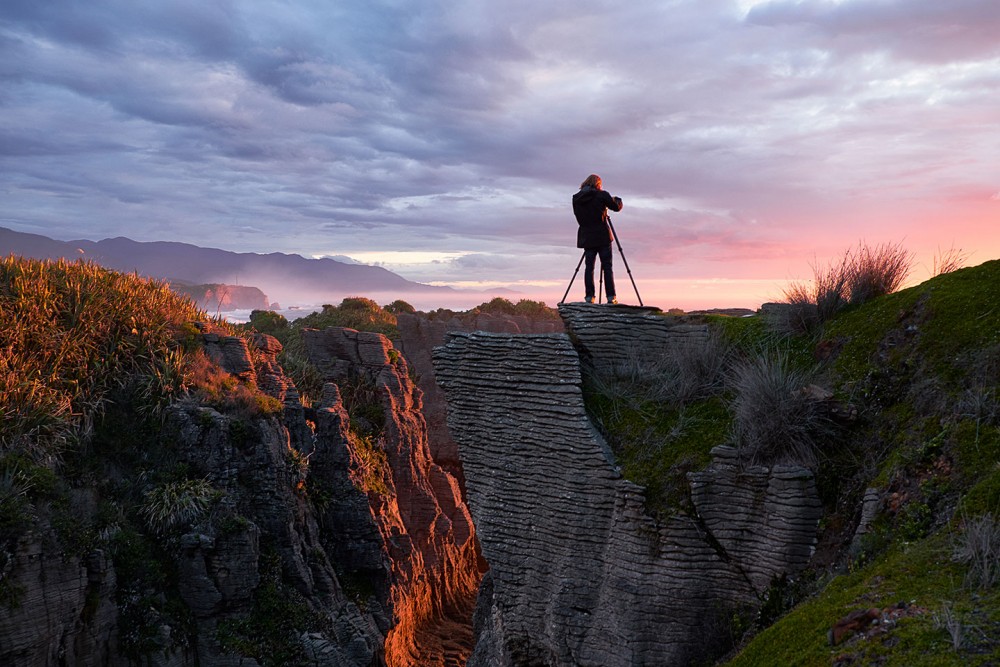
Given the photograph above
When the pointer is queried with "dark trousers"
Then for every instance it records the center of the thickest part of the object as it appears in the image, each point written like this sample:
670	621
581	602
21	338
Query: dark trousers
590	254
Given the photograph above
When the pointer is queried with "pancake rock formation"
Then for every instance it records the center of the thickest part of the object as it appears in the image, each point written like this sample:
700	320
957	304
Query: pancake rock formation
419	334
579	573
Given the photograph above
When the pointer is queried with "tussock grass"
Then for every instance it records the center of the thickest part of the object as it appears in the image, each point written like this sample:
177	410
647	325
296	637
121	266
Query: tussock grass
670	377
978	547
774	420
948	260
860	275
70	332
176	504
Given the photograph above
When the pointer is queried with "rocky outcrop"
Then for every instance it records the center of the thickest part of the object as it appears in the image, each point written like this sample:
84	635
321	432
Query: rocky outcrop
419	334
608	336
764	519
421	516
267	544
58	608
222	297
579	573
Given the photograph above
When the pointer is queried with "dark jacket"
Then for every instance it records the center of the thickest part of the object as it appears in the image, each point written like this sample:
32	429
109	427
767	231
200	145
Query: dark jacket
590	206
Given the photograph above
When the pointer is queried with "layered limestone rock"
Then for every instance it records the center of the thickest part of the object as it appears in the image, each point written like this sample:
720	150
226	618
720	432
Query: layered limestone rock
421	515
764	519
58	608
419	334
579	573
292	547
608	336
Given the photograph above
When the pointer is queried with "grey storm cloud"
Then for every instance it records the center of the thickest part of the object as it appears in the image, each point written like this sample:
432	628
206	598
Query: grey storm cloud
467	126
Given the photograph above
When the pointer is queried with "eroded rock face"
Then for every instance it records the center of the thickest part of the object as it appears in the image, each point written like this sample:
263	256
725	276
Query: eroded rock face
607	336
380	578
419	335
579	574
46	618
764	519
423	521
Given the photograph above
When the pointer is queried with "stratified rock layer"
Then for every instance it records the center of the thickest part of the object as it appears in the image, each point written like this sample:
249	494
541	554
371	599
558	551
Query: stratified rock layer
763	518
610	335
424	522
580	575
419	334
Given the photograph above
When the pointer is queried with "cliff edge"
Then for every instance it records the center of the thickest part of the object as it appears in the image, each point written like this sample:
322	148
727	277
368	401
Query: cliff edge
579	573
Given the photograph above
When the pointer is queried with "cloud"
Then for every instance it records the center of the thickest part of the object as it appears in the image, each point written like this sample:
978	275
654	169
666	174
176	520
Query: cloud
920	30
465	128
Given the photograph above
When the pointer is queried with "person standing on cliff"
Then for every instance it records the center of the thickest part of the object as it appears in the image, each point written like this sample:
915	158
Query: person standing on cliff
590	206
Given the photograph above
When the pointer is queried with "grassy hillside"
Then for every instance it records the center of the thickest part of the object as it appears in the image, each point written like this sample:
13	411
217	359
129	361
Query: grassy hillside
70	333
923	366
919	372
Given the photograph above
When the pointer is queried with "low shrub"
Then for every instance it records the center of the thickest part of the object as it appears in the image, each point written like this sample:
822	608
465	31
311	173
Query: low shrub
399	306
269	322
523	308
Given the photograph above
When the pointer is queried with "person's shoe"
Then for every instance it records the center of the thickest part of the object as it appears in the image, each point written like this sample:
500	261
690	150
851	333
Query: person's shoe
612	301
589	299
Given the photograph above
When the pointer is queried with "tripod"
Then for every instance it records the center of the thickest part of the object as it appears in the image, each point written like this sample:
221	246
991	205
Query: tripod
614	233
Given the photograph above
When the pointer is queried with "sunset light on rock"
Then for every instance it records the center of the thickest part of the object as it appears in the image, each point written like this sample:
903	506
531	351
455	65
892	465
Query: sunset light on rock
390	333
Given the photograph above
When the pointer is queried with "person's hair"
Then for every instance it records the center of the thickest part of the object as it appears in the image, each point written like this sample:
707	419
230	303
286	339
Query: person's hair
593	181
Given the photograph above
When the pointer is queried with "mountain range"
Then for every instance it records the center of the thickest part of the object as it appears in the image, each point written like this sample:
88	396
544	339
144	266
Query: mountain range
283	277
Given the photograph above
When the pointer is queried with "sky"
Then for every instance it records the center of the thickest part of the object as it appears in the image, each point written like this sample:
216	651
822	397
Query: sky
751	141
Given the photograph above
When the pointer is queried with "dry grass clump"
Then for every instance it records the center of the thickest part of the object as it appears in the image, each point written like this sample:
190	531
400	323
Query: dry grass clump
70	332
858	277
206	381
978	547
369	464
877	271
673	376
774	420
950	260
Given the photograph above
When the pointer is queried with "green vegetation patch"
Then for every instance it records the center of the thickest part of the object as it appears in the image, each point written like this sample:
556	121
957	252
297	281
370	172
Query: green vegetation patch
947	316
523	308
353	313
280	614
925	578
69	333
657	446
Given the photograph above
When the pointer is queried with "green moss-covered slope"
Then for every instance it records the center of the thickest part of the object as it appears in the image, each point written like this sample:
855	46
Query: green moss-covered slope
922	367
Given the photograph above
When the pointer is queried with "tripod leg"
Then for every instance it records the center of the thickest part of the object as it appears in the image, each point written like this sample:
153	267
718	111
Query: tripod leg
578	265
622	252
600	286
